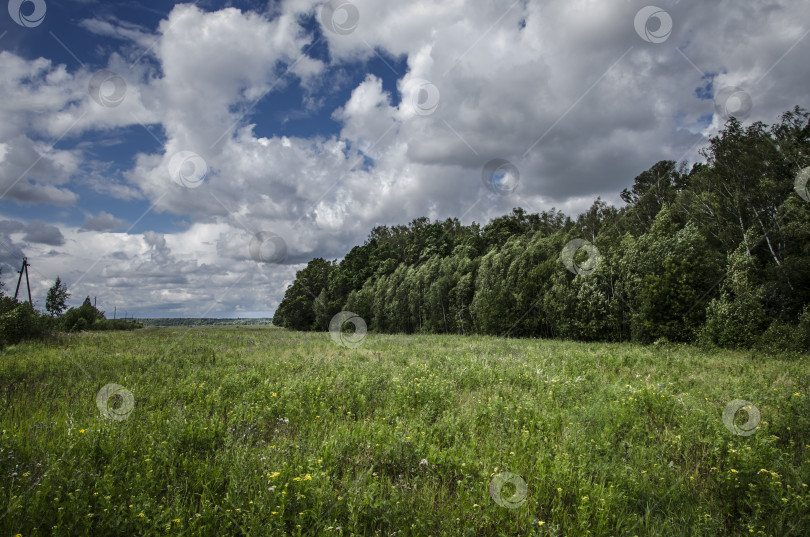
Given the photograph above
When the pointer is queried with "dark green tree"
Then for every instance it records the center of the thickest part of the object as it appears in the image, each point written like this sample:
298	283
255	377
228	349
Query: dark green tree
56	300
296	309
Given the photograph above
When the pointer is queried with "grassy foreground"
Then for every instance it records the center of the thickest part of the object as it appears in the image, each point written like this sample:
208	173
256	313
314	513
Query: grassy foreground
261	431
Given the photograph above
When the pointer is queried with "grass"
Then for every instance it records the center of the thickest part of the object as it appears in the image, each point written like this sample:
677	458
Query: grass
261	431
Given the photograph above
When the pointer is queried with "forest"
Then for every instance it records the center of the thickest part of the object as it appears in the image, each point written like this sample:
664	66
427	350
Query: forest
717	254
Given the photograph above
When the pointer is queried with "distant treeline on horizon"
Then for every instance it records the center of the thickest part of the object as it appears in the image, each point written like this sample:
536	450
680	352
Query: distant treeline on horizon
192	321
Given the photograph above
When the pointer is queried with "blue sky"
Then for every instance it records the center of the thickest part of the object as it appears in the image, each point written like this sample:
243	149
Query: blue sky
145	144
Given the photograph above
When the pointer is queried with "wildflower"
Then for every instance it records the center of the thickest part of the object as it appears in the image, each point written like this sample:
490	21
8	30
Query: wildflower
81	431
733	471
423	462
307	477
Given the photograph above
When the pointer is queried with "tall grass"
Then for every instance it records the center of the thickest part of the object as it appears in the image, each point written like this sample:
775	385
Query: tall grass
261	431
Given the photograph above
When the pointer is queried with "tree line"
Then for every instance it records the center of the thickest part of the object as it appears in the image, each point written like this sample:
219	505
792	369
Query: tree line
20	321
716	254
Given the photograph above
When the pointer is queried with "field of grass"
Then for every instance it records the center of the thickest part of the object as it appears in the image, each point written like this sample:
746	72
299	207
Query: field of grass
261	431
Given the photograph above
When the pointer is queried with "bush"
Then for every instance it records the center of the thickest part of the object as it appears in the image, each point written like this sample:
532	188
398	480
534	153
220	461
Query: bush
87	317
737	319
114	324
803	331
81	318
781	336
19	321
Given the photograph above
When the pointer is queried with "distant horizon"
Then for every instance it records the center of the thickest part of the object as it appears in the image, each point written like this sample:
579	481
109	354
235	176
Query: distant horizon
214	318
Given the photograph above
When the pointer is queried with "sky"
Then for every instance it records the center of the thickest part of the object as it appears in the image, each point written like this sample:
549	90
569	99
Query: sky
185	160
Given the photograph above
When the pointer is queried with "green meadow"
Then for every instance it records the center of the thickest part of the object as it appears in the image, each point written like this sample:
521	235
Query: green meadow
226	431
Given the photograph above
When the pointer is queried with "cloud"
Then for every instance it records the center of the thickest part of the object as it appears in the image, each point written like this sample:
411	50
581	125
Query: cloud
36	234
42	233
145	272
32	172
119	29
567	91
36	231
104	221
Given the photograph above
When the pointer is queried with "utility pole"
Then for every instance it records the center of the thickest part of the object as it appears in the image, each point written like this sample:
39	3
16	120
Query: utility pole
24	268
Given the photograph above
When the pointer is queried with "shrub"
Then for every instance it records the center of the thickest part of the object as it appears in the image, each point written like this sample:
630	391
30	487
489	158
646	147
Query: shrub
737	318
81	318
19	321
781	336
114	324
